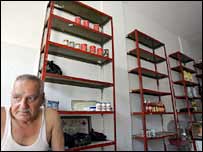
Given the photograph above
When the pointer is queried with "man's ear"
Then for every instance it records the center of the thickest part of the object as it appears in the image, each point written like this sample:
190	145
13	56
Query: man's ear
43	99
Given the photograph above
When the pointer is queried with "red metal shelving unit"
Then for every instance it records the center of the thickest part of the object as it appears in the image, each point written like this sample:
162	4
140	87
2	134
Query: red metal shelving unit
159	135
69	27
84	112
198	68
92	145
150	56
183	59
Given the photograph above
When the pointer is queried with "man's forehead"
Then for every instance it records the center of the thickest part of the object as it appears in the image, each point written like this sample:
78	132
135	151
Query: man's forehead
26	84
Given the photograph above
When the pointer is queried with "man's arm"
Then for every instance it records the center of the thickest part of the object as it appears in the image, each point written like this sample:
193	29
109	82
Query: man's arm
3	120
57	137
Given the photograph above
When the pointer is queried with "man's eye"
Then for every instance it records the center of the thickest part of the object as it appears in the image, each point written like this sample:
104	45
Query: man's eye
30	99
17	98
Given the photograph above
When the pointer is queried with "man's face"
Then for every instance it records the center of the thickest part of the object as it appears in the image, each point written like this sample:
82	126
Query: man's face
26	100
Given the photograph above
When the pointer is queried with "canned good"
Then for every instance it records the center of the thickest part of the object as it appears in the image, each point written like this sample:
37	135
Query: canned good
153	133
83	46
108	107
77	45
98	106
72	44
85	23
99	51
78	20
66	42
96	27
92	49
103	106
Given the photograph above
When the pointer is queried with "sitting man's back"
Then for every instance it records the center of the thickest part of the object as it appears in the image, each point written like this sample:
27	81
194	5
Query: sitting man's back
27	125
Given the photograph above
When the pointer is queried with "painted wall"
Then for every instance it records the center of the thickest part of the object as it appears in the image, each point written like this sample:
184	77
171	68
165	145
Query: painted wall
21	26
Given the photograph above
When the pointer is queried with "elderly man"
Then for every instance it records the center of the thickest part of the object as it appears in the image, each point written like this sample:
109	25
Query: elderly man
27	125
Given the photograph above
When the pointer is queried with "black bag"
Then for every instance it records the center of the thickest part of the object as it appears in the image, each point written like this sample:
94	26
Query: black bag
186	110
81	139
53	68
75	140
97	136
69	140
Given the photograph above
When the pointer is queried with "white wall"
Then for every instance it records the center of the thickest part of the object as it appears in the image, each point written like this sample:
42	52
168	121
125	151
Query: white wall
115	9
22	24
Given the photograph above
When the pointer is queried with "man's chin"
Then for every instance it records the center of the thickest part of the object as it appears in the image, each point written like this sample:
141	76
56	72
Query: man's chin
23	117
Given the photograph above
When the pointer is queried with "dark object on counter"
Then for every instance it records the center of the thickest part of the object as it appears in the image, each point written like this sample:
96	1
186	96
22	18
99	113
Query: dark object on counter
96	136
53	68
75	140
186	110
69	140
81	139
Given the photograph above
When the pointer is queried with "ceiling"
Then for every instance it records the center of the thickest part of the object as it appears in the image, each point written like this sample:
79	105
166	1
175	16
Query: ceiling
183	18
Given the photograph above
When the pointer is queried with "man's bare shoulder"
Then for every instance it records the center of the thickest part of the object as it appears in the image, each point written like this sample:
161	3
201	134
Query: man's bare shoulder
51	114
3	112
2	109
3	120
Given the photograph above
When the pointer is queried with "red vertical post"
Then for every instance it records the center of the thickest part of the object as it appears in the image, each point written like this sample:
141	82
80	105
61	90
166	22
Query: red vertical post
141	89
157	82
42	39
171	90
47	41
186	96
114	96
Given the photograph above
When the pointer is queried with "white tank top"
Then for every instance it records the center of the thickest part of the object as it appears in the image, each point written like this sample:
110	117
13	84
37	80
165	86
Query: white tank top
9	144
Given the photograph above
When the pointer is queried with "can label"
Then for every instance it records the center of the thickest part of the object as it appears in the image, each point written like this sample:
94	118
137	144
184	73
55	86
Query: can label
72	44
66	42
96	27
83	46
85	23
77	45
100	51
78	20
93	49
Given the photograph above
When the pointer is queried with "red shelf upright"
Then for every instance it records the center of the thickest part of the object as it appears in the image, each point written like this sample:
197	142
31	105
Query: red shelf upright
56	23
143	40
182	60
198	69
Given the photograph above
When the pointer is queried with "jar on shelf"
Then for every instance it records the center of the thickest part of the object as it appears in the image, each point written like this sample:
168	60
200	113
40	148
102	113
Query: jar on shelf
66	42
98	106
103	106
72	44
77	46
83	46
100	51
108	106
96	27
85	23
92	49
150	107
77	20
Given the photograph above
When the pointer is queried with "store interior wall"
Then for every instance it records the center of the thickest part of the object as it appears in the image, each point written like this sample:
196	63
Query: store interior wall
22	25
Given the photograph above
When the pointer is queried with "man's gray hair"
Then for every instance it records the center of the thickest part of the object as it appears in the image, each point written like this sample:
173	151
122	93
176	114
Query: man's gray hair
33	78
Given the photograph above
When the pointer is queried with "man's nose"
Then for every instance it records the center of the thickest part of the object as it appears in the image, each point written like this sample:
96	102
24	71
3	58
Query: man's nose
24	103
